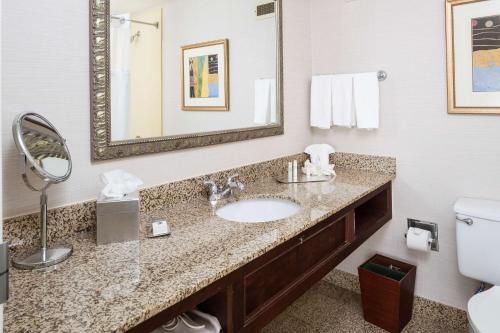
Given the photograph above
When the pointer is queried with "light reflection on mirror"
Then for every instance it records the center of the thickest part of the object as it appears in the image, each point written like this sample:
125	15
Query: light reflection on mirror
162	86
45	146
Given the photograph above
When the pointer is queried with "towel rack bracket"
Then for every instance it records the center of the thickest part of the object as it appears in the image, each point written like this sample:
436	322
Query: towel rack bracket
382	75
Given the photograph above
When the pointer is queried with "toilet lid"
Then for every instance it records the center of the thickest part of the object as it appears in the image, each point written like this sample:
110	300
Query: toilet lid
483	311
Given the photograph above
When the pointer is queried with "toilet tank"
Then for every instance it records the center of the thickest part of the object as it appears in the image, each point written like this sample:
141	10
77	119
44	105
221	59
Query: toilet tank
478	239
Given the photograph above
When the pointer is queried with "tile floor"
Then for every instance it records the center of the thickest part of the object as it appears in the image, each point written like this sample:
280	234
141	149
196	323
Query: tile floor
327	308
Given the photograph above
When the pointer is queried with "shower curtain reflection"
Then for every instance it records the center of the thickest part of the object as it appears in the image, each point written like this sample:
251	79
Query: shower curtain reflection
120	78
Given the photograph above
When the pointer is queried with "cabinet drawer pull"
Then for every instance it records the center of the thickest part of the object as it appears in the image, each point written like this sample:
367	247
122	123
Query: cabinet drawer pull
301	239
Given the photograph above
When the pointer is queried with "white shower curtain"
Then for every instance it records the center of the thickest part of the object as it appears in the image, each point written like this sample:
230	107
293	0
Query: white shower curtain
120	77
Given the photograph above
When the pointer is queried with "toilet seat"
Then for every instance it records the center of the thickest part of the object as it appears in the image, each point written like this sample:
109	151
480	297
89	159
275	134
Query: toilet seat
483	311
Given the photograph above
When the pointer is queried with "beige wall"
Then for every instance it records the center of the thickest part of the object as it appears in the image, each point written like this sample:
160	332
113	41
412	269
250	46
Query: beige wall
46	69
146	58
440	156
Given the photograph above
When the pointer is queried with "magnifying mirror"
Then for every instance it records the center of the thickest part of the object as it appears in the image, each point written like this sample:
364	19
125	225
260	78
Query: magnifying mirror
45	155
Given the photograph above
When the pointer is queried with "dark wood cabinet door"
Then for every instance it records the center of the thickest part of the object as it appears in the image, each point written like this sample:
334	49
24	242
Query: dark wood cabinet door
318	246
266	282
274	277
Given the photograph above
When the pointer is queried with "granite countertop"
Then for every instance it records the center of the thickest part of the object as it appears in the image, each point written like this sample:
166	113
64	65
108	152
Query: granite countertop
115	287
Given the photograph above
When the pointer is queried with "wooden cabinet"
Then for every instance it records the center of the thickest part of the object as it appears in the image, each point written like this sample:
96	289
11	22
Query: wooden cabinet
269	280
249	298
318	245
270	284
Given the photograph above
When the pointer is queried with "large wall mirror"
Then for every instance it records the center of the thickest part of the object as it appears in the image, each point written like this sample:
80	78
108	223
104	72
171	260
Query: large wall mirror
176	74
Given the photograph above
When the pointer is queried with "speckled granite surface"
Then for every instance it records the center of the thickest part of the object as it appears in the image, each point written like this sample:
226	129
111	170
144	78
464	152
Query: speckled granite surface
24	231
64	222
328	308
364	162
113	288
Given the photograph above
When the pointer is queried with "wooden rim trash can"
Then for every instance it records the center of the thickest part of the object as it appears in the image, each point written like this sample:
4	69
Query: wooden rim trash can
387	290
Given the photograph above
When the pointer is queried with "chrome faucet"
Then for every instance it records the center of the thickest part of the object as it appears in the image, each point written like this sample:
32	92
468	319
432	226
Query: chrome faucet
216	193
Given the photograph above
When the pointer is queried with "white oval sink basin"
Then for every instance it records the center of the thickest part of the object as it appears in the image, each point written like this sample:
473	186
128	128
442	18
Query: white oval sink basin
258	210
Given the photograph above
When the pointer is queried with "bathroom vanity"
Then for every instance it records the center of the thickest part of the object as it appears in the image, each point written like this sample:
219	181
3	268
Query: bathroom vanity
243	273
250	297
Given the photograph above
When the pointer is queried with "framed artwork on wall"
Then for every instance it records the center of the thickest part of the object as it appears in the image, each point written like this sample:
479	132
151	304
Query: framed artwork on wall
205	76
473	56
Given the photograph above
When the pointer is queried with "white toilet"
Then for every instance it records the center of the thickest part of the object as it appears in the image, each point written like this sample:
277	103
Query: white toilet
478	248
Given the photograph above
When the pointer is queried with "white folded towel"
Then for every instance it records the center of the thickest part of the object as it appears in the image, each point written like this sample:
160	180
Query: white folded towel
274	116
342	96
367	100
321	101
320	153
265	101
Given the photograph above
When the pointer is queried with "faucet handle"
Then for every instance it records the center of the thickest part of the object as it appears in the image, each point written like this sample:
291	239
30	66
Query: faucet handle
235	183
211	185
233	178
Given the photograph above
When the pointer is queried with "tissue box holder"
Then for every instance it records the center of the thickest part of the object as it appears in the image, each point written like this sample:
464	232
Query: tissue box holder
118	219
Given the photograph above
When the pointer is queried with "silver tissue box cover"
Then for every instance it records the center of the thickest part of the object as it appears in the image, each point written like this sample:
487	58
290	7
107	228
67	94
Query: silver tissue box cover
118	219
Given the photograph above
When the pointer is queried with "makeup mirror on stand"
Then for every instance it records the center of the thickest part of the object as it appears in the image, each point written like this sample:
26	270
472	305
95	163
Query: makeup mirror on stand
46	156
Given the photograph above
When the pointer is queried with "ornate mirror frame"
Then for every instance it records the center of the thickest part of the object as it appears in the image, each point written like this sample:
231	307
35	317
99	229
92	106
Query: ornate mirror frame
100	93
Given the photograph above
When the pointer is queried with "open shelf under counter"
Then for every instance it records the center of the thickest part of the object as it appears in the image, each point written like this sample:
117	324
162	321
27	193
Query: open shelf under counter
374	212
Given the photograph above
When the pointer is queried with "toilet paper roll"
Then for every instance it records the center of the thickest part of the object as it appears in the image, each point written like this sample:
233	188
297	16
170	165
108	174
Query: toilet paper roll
418	239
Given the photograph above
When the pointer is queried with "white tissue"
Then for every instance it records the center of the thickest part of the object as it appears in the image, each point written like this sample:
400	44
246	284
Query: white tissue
418	239
119	183
320	160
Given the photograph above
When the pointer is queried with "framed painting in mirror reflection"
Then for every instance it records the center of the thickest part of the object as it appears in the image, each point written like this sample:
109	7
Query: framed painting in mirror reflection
205	76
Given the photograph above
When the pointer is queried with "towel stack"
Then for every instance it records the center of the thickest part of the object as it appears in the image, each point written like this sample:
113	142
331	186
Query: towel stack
347	100
265	102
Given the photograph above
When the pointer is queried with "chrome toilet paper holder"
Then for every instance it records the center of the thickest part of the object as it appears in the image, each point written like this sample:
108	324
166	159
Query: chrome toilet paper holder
430	226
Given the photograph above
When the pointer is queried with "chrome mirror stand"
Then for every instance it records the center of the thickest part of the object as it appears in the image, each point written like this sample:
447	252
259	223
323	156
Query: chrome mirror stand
43	257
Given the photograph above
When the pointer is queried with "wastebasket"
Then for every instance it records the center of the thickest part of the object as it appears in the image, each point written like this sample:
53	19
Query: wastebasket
387	289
